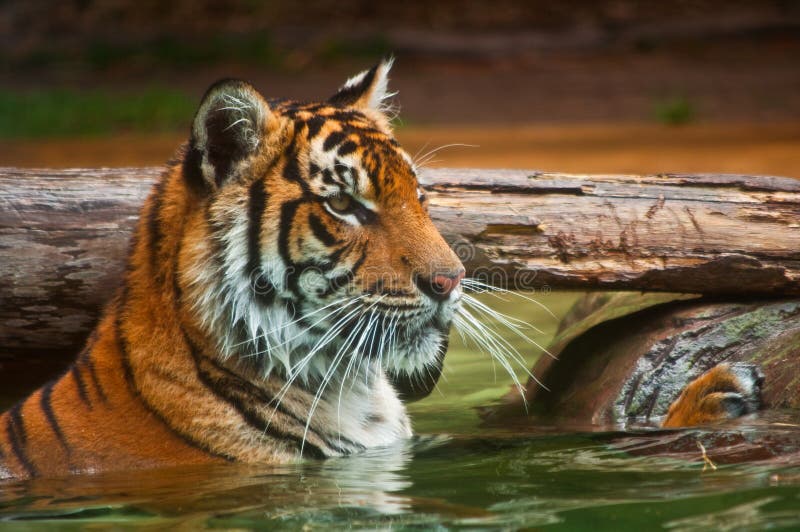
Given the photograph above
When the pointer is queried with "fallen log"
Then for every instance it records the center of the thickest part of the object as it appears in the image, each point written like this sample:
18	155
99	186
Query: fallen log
622	358
64	236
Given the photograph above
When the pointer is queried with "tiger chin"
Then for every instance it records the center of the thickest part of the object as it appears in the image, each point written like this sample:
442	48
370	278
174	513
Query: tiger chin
285	290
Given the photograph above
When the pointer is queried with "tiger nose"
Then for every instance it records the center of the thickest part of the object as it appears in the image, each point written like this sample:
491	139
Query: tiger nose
440	285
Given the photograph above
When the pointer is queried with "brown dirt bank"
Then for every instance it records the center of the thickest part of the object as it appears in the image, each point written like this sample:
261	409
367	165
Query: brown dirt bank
748	148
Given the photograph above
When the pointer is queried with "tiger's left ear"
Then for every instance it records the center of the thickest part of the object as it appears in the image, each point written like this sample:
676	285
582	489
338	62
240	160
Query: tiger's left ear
366	90
231	125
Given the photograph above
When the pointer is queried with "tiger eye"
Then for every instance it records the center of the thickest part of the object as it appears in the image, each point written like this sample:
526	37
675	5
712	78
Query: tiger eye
341	202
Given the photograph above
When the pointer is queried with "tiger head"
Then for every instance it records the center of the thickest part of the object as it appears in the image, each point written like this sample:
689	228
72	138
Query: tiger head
317	253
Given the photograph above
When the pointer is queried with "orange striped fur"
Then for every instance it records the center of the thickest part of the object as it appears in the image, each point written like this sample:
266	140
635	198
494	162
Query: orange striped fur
282	232
724	392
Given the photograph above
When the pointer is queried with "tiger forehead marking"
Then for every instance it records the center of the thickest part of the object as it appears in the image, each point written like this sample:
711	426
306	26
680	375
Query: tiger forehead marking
349	152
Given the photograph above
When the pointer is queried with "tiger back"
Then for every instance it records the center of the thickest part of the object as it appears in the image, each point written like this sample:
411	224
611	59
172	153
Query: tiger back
283	278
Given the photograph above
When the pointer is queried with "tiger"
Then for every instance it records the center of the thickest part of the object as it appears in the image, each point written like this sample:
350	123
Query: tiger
285	292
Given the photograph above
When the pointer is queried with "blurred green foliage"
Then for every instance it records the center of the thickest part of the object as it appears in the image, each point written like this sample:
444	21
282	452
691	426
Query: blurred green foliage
674	111
173	52
374	46
255	49
53	113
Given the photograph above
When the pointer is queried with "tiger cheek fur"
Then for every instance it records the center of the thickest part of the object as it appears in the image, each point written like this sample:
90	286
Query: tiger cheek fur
283	279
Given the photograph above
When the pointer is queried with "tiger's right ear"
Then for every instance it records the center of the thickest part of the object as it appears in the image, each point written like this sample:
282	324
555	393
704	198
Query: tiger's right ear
230	126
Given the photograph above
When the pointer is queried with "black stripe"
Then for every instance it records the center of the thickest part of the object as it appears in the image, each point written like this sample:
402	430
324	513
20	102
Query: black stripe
320	231
333	139
293	270
361	259
347	148
288	211
327	177
340	281
192	174
215	239
291	170
130	380
265	398
236	397
80	385
15	417
372	173
235	391
176	285
347	117
15	429
314	125
263	290
154	233
85	359
98	388
313	170
350	95
255	215
127	370
343	171
334	257
47	409
292	279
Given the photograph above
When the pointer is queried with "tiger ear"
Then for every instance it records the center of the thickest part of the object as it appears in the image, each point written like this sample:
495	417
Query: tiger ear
229	127
366	90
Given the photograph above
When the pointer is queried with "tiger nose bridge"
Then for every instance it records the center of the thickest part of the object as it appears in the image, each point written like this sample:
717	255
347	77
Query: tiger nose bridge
440	272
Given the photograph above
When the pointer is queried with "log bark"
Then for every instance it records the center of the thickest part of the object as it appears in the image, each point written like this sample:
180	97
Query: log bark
623	358
64	236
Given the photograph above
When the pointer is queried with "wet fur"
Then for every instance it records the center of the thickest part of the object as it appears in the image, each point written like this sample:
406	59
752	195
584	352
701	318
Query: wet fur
726	391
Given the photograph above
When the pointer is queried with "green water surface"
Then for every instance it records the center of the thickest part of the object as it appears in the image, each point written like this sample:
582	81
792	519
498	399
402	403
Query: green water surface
456	474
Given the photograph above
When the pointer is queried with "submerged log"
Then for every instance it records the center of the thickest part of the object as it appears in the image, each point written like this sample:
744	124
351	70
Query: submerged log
621	359
64	236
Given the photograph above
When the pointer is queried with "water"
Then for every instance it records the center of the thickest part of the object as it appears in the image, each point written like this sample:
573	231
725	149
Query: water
457	473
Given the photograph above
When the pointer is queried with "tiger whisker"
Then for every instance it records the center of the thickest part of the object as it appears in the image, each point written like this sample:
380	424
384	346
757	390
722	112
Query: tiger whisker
515	322
503	320
488	340
326	379
363	358
389	345
473	284
347	301
350	364
422	160
304	332
326	339
296	370
477	337
376	315
498	341
416	154
357	355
